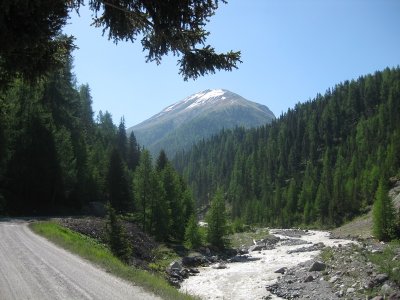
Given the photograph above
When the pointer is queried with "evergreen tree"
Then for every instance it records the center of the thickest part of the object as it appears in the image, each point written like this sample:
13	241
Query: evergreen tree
383	214
162	161
133	153
142	188
118	186
177	27
193	237
117	236
122	140
217	221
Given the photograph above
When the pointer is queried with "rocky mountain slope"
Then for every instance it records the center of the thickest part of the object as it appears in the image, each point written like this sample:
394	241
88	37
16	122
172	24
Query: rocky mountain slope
198	116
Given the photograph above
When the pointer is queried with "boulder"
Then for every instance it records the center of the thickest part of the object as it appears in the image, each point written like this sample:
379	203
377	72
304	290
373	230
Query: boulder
256	248
219	266
309	278
175	266
386	289
194	261
317	266
377	280
281	270
184	273
194	271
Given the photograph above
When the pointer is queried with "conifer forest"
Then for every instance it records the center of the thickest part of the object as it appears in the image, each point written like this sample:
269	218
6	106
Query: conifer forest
319	163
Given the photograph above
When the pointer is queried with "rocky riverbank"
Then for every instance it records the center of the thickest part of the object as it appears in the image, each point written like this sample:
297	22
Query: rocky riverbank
344	272
247	274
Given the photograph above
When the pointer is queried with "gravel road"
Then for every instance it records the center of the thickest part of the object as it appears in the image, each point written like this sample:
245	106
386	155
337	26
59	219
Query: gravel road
33	268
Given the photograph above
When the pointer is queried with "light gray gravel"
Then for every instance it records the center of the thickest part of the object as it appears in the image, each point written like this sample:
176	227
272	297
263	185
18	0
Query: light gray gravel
33	268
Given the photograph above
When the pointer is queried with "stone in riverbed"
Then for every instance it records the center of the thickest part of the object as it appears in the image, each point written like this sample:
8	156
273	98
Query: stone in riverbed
175	265
281	270
317	266
377	280
309	278
334	279
219	266
256	248
386	289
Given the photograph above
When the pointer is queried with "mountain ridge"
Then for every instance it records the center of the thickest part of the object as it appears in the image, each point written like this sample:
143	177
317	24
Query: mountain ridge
197	116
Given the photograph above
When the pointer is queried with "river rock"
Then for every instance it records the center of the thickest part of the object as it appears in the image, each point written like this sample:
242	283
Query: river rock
175	266
317	266
386	289
309	278
194	261
334	279
256	248
377	280
219	266
281	270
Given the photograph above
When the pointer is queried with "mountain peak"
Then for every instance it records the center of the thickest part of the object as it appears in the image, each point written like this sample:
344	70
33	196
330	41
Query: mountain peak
205	97
198	116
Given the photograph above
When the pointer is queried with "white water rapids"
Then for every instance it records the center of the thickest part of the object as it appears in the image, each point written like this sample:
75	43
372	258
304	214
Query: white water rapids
248	280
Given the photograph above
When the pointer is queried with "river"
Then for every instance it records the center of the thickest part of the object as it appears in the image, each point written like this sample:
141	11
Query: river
248	280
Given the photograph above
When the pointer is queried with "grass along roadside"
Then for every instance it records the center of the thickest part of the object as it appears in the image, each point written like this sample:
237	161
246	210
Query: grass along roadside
100	255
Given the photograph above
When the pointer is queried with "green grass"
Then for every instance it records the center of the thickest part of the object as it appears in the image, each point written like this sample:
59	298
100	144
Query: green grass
327	254
387	262
246	238
163	256
100	255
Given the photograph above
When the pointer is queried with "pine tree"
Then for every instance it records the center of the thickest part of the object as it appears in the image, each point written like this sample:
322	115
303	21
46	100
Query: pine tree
117	237
142	182
133	153
193	237
162	161
118	186
122	141
216	219
383	214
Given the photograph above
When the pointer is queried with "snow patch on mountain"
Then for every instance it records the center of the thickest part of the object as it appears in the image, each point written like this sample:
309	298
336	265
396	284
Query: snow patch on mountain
206	97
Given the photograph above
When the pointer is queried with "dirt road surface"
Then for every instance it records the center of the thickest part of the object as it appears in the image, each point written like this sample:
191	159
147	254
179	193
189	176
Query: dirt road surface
33	268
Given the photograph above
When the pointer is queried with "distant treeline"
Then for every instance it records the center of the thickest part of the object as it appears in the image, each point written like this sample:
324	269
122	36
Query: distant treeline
319	163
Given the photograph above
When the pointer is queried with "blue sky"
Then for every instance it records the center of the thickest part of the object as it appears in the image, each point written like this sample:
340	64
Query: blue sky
291	50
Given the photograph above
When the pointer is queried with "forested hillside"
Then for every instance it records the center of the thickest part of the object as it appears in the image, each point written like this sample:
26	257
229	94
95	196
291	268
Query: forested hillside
319	163
56	159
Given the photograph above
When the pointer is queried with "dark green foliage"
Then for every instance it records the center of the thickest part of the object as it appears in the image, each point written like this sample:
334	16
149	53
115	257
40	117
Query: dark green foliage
142	186
319	163
133	153
217	221
30	44
162	161
163	200
55	159
117	236
118	185
193	238
122	140
383	214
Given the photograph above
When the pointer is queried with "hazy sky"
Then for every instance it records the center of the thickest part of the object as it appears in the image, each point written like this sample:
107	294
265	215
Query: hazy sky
291	50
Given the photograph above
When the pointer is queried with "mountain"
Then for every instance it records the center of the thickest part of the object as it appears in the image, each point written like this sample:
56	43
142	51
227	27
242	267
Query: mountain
198	116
